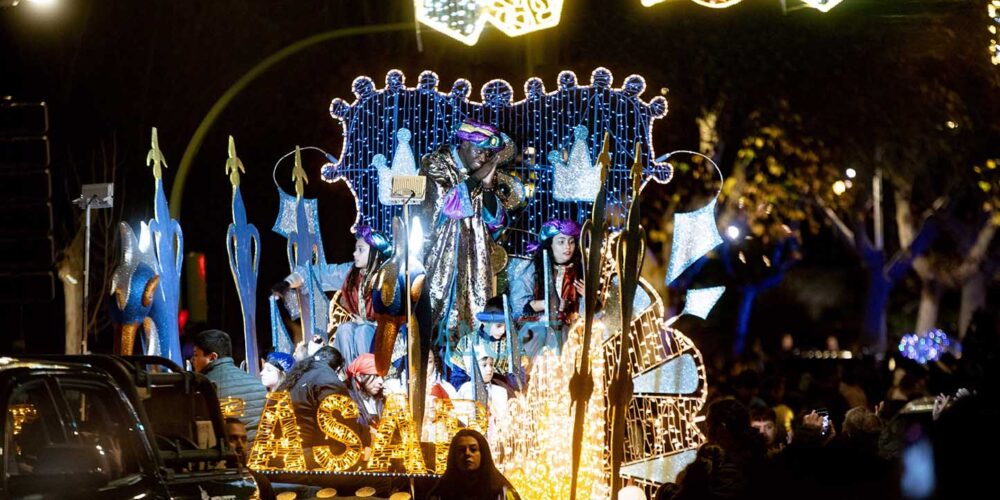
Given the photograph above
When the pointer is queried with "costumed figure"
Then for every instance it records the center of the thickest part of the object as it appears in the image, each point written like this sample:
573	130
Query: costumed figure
486	388
365	386
351	312
492	333
275	369
557	246
467	205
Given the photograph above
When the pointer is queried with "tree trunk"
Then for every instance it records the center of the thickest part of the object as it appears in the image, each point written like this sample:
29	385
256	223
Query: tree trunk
873	328
743	319
70	271
930	301
973	299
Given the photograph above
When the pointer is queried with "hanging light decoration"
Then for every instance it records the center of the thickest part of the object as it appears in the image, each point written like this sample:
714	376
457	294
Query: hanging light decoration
464	20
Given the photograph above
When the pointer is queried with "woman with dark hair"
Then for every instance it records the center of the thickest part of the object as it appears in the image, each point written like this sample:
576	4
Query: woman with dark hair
309	382
351	315
558	240
471	473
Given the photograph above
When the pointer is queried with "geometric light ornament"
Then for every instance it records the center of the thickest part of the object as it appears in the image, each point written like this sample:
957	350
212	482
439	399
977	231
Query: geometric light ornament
660	469
464	20
714	4
695	234
699	302
677	376
822	5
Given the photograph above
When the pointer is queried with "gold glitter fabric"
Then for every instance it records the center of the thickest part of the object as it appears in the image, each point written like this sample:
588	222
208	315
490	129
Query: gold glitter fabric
459	251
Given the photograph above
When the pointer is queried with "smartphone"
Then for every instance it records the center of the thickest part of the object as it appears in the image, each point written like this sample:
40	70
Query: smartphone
826	419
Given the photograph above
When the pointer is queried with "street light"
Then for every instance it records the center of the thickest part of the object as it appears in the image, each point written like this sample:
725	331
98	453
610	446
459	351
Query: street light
733	232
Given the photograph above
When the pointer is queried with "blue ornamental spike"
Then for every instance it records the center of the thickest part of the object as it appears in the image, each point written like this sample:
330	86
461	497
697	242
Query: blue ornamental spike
243	247
168	241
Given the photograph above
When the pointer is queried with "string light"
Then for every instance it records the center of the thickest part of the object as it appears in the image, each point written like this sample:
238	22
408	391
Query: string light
335	430
714	4
542	123
278	444
537	454
820	5
925	347
21	414
993	9
396	419
447	421
464	20
232	407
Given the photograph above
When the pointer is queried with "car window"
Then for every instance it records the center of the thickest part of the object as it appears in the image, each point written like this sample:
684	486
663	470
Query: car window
100	418
32	427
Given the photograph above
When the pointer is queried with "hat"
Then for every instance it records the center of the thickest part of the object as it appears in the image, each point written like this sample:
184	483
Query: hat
280	360
553	227
374	239
482	135
362	365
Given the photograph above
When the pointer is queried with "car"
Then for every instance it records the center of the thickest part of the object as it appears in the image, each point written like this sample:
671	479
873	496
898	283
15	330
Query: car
99	426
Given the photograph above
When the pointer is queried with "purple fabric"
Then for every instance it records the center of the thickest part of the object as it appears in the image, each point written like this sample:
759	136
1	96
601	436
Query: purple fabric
495	223
373	238
476	136
457	204
552	228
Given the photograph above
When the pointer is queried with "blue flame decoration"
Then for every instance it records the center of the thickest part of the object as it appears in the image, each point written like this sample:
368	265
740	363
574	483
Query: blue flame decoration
243	247
168	241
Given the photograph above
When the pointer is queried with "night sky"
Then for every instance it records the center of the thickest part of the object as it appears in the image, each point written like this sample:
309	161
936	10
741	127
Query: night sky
110	70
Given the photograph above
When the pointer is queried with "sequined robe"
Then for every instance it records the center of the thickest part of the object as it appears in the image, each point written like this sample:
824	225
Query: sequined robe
461	257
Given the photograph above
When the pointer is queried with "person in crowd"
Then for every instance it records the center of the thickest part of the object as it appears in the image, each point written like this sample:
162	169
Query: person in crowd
861	430
743	450
471	473
356	335
766	422
559	240
308	383
236	437
366	388
213	358
276	367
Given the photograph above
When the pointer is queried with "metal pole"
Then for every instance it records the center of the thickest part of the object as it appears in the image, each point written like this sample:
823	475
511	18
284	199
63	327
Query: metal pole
86	276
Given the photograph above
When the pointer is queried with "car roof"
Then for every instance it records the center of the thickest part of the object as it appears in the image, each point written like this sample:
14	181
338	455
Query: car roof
8	363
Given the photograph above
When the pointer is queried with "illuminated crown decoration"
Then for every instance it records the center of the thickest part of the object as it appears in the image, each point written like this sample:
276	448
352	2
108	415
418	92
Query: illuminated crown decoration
403	163
578	178
540	123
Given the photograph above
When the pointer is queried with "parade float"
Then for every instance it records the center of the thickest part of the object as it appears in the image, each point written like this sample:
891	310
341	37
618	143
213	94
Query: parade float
615	401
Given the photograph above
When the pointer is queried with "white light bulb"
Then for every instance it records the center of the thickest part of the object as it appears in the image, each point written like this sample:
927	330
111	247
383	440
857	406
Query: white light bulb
851	173
733	232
